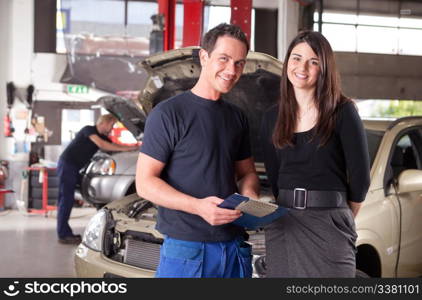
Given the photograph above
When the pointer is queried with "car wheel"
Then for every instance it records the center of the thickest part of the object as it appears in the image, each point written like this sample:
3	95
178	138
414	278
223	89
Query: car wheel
361	274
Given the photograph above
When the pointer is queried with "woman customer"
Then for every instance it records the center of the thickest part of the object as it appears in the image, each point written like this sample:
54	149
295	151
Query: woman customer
317	161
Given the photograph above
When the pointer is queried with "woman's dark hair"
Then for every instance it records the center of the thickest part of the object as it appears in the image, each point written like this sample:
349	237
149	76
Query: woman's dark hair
223	29
328	94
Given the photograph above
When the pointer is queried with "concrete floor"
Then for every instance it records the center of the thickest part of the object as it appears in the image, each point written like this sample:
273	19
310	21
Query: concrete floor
29	246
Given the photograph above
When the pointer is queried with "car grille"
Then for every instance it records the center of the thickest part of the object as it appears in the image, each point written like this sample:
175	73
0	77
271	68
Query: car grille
142	254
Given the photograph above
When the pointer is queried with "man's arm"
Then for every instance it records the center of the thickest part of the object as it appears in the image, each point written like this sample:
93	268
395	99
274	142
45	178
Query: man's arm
150	186
107	146
247	179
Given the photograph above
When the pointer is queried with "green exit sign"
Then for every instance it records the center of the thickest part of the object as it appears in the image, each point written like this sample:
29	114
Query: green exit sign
77	89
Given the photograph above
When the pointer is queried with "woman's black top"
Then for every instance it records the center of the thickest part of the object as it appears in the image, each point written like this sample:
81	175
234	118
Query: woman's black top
342	164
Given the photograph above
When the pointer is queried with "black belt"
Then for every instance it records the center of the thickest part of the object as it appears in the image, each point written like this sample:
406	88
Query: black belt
300	198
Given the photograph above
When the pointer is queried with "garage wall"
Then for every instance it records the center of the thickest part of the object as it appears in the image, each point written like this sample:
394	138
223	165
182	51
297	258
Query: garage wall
5	7
52	111
378	76
16	23
22	41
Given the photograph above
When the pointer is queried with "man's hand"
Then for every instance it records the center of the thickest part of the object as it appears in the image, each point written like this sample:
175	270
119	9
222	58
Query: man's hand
207	209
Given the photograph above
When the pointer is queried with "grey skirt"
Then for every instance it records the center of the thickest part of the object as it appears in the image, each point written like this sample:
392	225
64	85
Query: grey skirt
312	243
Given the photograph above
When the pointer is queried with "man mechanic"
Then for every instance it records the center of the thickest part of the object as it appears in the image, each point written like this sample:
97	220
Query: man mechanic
196	152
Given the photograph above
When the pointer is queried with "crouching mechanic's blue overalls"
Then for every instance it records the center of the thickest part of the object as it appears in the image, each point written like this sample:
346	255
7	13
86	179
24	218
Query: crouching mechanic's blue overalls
77	154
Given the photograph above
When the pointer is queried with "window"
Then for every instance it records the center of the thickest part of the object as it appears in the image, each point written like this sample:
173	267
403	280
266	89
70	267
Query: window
87	18
406	155
410	41
372	39
388	109
340	42
374	140
214	15
372	34
108	26
72	121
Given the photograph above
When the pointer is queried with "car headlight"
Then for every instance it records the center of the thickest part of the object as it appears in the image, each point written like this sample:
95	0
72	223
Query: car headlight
94	231
103	166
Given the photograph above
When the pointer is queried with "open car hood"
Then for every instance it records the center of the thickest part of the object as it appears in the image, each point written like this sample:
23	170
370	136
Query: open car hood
127	111
173	72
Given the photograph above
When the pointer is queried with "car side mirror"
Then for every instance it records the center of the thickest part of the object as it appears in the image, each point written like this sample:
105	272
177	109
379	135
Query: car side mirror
410	181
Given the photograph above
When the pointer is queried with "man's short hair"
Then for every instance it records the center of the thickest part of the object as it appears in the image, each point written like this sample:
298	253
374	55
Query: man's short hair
107	118
210	38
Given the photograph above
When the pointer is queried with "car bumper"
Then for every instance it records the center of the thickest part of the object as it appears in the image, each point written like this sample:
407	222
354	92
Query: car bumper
93	264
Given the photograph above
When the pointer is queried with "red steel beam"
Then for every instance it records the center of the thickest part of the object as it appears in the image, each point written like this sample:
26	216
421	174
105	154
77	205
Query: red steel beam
193	16
168	9
241	11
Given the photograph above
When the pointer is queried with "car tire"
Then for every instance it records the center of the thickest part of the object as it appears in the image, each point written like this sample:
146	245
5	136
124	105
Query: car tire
361	274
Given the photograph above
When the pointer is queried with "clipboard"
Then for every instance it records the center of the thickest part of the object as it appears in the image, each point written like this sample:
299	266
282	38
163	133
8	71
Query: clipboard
256	214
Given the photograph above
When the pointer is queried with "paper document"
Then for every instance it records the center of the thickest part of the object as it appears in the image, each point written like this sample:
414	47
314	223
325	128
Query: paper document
256	213
244	204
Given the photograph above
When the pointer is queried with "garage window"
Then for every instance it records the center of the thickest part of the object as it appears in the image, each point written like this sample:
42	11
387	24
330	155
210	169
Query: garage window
353	32
91	26
112	26
389	109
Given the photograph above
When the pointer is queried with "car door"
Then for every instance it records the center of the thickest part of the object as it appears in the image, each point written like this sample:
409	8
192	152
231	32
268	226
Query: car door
407	154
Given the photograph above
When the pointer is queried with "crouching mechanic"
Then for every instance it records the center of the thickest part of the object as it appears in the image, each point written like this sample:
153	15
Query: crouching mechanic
196	152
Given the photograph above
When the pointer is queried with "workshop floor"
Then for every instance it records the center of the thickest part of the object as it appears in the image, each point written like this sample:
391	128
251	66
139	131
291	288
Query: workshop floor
29	246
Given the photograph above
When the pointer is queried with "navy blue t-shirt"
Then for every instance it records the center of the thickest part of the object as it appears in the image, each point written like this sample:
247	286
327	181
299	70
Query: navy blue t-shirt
199	140
81	149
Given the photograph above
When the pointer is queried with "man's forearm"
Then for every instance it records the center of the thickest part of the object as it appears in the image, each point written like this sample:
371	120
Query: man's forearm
161	193
150	186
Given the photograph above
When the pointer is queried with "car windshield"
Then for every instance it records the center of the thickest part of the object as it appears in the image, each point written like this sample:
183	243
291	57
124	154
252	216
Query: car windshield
374	139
